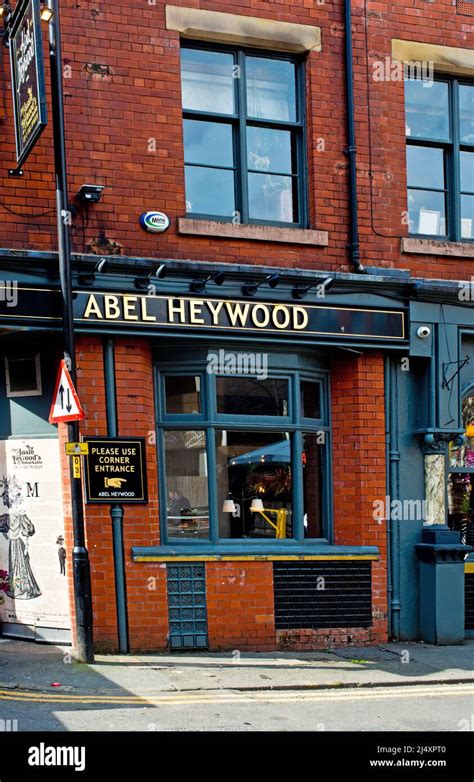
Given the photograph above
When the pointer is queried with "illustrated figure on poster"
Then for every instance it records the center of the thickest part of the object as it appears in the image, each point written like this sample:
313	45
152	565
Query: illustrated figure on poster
17	528
61	555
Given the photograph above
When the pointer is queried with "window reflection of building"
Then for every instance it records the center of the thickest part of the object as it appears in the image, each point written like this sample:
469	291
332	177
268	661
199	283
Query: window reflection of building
253	464
461	477
228	440
187	483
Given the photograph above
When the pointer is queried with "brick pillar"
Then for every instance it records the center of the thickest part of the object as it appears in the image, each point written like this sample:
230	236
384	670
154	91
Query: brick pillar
146	582
359	459
240	606
98	525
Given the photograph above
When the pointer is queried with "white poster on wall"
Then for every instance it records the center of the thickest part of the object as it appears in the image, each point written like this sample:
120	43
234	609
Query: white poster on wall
32	547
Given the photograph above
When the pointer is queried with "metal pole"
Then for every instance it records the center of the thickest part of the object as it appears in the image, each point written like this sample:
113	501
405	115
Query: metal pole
116	510
80	557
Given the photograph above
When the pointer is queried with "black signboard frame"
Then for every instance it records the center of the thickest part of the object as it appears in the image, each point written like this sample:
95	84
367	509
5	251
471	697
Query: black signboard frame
41	307
91	497
28	9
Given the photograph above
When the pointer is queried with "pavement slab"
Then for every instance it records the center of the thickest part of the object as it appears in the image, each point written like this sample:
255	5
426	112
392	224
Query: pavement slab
25	665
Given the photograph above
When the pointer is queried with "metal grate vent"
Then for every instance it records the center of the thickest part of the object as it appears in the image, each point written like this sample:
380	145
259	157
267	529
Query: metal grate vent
469	600
322	594
187	611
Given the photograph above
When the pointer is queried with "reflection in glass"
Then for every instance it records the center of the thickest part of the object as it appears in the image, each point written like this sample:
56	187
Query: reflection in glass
461	484
461	505
270	150
272	198
461	450
186	484
210	191
425	167
207	81
427	213
312	486
254	465
310	399
183	394
467	172
466	113
467	217
271	89
251	396
427	109
208	143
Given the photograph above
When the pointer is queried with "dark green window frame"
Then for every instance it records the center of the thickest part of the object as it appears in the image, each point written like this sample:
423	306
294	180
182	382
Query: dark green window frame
211	421
452	148
240	121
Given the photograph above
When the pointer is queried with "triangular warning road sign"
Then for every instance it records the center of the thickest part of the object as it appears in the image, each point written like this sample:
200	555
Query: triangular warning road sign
66	405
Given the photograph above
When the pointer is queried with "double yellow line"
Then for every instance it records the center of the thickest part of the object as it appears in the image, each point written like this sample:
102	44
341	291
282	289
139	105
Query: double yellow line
227	696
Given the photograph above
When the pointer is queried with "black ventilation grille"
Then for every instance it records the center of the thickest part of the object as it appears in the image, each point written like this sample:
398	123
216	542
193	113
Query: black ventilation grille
469	601
313	595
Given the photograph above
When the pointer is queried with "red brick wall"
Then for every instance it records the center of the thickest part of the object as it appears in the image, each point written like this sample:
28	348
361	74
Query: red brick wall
240	606
122	89
359	478
146	582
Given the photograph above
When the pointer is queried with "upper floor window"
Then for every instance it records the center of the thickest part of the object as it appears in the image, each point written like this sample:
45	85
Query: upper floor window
440	158
243	123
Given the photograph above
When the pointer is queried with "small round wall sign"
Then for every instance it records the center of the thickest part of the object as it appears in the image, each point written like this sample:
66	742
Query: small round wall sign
155	222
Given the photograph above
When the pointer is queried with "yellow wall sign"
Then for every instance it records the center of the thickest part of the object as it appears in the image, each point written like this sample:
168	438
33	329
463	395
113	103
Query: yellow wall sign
76	466
77	449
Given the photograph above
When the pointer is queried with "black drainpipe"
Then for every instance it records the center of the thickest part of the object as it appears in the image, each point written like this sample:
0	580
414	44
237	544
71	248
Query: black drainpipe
351	149
116	510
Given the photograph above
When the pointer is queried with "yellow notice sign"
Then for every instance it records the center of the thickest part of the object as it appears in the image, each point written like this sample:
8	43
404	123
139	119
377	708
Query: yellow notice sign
76	466
77	449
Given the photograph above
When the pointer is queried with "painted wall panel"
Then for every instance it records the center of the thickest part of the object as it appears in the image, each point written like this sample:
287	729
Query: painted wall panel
32	534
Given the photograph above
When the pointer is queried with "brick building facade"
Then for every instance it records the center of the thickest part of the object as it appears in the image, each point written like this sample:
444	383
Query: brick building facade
386	402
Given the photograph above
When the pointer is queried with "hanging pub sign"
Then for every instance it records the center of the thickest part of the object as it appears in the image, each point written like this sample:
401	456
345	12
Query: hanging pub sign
26	60
115	470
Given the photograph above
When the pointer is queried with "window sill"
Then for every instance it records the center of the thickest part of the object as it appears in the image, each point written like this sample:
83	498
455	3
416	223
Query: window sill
262	233
437	247
205	552
227	28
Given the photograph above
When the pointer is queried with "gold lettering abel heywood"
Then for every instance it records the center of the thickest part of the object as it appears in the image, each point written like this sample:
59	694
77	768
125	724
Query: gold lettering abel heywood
195	312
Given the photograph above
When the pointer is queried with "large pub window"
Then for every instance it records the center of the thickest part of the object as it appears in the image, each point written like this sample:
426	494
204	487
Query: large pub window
461	476
243	127
439	117
243	457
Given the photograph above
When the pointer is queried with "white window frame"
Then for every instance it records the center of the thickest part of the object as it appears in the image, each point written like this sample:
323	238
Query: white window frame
37	391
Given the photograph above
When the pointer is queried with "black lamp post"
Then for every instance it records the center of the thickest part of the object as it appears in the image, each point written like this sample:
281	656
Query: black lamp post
80	557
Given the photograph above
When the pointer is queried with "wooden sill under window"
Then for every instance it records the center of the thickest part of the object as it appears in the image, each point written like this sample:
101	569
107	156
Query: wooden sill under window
437	247
262	233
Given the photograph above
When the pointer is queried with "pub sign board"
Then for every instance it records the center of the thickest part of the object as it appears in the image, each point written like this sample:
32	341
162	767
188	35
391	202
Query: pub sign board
27	67
115	470
99	310
108	309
